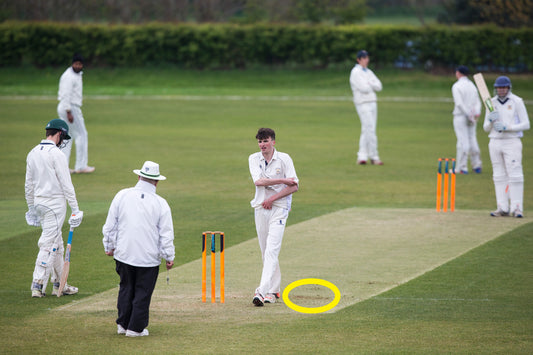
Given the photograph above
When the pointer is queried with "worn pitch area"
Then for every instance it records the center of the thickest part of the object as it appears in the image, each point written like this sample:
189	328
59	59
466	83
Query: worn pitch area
364	252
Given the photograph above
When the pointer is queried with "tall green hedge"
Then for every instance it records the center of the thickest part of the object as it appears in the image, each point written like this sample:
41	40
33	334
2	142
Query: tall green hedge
241	46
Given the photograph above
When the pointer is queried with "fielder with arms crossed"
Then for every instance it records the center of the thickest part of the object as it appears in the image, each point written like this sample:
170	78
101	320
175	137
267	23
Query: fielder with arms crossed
275	181
505	125
365	84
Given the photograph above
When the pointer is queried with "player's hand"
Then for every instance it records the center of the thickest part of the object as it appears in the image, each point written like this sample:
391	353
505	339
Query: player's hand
75	219
70	118
31	218
267	204
500	127
473	118
170	264
110	253
494	116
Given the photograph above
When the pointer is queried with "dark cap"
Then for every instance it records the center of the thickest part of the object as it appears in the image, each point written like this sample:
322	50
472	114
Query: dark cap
362	54
463	69
59	125
77	58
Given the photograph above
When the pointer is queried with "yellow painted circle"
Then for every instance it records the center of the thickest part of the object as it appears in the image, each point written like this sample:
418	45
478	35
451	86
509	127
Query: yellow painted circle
302	282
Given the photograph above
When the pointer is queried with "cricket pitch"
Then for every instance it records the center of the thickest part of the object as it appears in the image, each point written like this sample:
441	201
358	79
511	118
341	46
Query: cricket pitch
364	252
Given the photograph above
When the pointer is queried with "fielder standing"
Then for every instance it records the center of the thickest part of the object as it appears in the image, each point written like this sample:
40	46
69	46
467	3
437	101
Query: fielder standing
275	181
70	96
138	232
364	85
505	125
466	111
48	187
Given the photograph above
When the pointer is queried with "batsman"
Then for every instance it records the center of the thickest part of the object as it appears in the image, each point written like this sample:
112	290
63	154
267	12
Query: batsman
48	188
504	126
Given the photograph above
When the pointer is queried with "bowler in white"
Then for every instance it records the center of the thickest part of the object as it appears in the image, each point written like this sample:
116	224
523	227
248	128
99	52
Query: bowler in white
275	181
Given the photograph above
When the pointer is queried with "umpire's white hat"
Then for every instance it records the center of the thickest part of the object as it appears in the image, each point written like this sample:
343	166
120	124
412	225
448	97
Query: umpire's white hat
150	170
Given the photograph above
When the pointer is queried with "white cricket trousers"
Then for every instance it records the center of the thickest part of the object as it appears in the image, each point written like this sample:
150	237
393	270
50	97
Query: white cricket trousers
270	226
79	135
51	212
467	145
507	173
368	141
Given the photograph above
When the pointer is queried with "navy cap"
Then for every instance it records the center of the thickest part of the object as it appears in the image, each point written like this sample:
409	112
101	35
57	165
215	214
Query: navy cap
362	54
463	69
77	58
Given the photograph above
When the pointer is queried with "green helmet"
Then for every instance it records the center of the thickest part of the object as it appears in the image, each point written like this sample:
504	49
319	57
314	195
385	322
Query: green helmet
60	125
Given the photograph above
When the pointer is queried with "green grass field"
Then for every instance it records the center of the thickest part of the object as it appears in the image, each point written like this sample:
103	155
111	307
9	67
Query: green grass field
200	128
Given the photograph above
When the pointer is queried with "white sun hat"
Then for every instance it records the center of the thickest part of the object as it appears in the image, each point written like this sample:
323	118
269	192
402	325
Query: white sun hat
150	170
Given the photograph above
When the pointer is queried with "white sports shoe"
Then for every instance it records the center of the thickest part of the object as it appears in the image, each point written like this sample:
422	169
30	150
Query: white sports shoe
258	300
271	297
86	170
37	293
120	329
518	214
499	213
131	333
68	290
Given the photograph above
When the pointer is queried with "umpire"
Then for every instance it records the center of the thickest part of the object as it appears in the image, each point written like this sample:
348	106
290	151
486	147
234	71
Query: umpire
138	232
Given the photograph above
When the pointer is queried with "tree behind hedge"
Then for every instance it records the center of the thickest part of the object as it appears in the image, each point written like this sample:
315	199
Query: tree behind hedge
504	13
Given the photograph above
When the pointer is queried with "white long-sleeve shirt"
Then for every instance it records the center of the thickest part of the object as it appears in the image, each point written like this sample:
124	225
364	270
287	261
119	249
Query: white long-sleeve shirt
48	176
466	98
139	227
513	115
364	84
280	167
70	89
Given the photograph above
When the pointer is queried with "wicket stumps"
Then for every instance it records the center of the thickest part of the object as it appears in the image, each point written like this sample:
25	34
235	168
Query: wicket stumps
446	185
213	274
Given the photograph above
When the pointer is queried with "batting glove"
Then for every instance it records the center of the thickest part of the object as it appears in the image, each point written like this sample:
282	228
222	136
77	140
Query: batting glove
493	116
31	217
75	219
499	126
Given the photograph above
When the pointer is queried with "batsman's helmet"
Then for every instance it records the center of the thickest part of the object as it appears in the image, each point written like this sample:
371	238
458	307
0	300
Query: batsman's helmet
60	125
502	82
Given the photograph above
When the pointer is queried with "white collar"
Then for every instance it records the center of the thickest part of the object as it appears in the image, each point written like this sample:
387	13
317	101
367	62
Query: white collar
145	186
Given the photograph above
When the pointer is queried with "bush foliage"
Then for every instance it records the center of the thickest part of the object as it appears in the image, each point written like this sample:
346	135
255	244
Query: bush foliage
241	46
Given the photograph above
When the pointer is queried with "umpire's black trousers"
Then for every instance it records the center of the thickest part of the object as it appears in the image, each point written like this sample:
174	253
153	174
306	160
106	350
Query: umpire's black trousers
136	287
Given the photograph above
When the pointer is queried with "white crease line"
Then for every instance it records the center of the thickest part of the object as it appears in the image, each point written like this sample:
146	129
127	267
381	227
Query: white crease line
430	299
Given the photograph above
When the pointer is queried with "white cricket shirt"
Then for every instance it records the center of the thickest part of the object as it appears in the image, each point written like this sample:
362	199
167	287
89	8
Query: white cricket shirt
466	98
70	89
364	84
48	176
513	115
280	167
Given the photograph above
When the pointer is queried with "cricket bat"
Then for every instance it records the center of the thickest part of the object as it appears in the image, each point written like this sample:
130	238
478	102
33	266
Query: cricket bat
66	265
483	91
